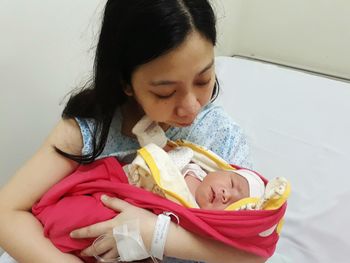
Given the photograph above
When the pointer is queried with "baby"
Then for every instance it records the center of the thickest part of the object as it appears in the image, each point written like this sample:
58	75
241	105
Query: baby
184	170
179	172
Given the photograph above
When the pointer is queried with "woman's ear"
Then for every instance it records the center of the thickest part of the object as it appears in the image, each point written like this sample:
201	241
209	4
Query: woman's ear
128	90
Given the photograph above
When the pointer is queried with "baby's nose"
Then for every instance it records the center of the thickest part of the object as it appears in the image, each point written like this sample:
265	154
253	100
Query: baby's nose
225	195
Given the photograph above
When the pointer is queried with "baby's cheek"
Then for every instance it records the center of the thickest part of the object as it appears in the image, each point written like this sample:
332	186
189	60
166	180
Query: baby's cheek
218	206
238	196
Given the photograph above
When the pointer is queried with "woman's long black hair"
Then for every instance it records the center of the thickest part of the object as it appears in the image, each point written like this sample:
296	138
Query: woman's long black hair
133	32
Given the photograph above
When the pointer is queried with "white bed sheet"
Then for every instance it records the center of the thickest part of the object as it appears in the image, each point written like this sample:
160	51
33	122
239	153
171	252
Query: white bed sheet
298	125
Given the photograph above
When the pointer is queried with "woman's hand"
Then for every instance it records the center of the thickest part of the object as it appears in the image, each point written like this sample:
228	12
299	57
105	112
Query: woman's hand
106	247
192	247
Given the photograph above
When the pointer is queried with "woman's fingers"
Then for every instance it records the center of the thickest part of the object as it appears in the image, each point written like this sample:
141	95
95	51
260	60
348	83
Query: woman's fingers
102	245
104	227
114	203
111	256
92	231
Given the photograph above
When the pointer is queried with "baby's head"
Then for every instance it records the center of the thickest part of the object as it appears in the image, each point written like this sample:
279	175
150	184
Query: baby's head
220	189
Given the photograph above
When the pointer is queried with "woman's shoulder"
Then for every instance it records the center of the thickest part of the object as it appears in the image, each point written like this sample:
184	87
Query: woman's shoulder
213	111
213	119
117	144
217	131
87	127
66	136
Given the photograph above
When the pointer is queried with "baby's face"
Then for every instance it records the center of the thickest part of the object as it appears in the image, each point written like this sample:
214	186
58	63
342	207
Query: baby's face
220	189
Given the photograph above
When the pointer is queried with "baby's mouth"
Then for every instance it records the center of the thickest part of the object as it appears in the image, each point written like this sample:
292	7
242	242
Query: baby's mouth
212	195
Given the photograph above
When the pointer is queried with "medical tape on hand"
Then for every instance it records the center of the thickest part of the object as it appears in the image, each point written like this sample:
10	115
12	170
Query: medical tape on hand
129	241
159	236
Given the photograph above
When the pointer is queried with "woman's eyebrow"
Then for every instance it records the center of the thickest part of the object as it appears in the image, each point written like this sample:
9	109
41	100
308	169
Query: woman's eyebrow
162	82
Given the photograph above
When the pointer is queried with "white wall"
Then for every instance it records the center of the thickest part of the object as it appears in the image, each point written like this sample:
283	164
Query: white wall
44	53
312	34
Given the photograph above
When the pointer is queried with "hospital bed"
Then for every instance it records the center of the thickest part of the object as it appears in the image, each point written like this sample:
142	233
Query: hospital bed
298	126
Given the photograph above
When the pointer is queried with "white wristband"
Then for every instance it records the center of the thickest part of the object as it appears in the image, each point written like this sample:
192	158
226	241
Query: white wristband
160	235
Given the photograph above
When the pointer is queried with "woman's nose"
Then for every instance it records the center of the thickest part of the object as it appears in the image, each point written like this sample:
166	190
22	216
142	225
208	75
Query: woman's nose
188	106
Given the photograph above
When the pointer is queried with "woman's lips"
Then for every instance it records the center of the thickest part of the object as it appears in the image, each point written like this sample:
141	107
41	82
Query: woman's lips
184	124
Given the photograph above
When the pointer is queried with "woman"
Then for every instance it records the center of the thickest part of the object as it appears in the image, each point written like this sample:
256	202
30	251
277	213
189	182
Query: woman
153	57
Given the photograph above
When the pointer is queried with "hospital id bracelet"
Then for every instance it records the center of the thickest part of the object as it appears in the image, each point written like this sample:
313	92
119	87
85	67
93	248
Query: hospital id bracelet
159	235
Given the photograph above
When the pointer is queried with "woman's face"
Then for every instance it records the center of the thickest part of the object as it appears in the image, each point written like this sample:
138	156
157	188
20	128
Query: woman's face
174	87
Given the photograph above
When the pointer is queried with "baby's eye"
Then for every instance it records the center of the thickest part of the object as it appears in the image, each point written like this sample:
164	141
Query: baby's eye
232	184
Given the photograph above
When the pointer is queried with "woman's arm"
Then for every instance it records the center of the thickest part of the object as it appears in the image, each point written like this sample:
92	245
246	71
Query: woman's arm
197	248
180	243
21	234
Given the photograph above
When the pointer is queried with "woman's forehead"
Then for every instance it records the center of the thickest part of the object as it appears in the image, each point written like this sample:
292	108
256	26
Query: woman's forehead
193	56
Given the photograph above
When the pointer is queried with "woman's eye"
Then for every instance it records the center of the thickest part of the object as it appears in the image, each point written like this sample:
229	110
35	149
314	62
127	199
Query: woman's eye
203	83
164	96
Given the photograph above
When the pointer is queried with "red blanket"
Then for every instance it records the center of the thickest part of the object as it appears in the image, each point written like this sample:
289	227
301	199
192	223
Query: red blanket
75	202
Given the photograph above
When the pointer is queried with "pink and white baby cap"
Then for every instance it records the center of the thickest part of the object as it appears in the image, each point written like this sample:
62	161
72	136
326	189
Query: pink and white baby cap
256	185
